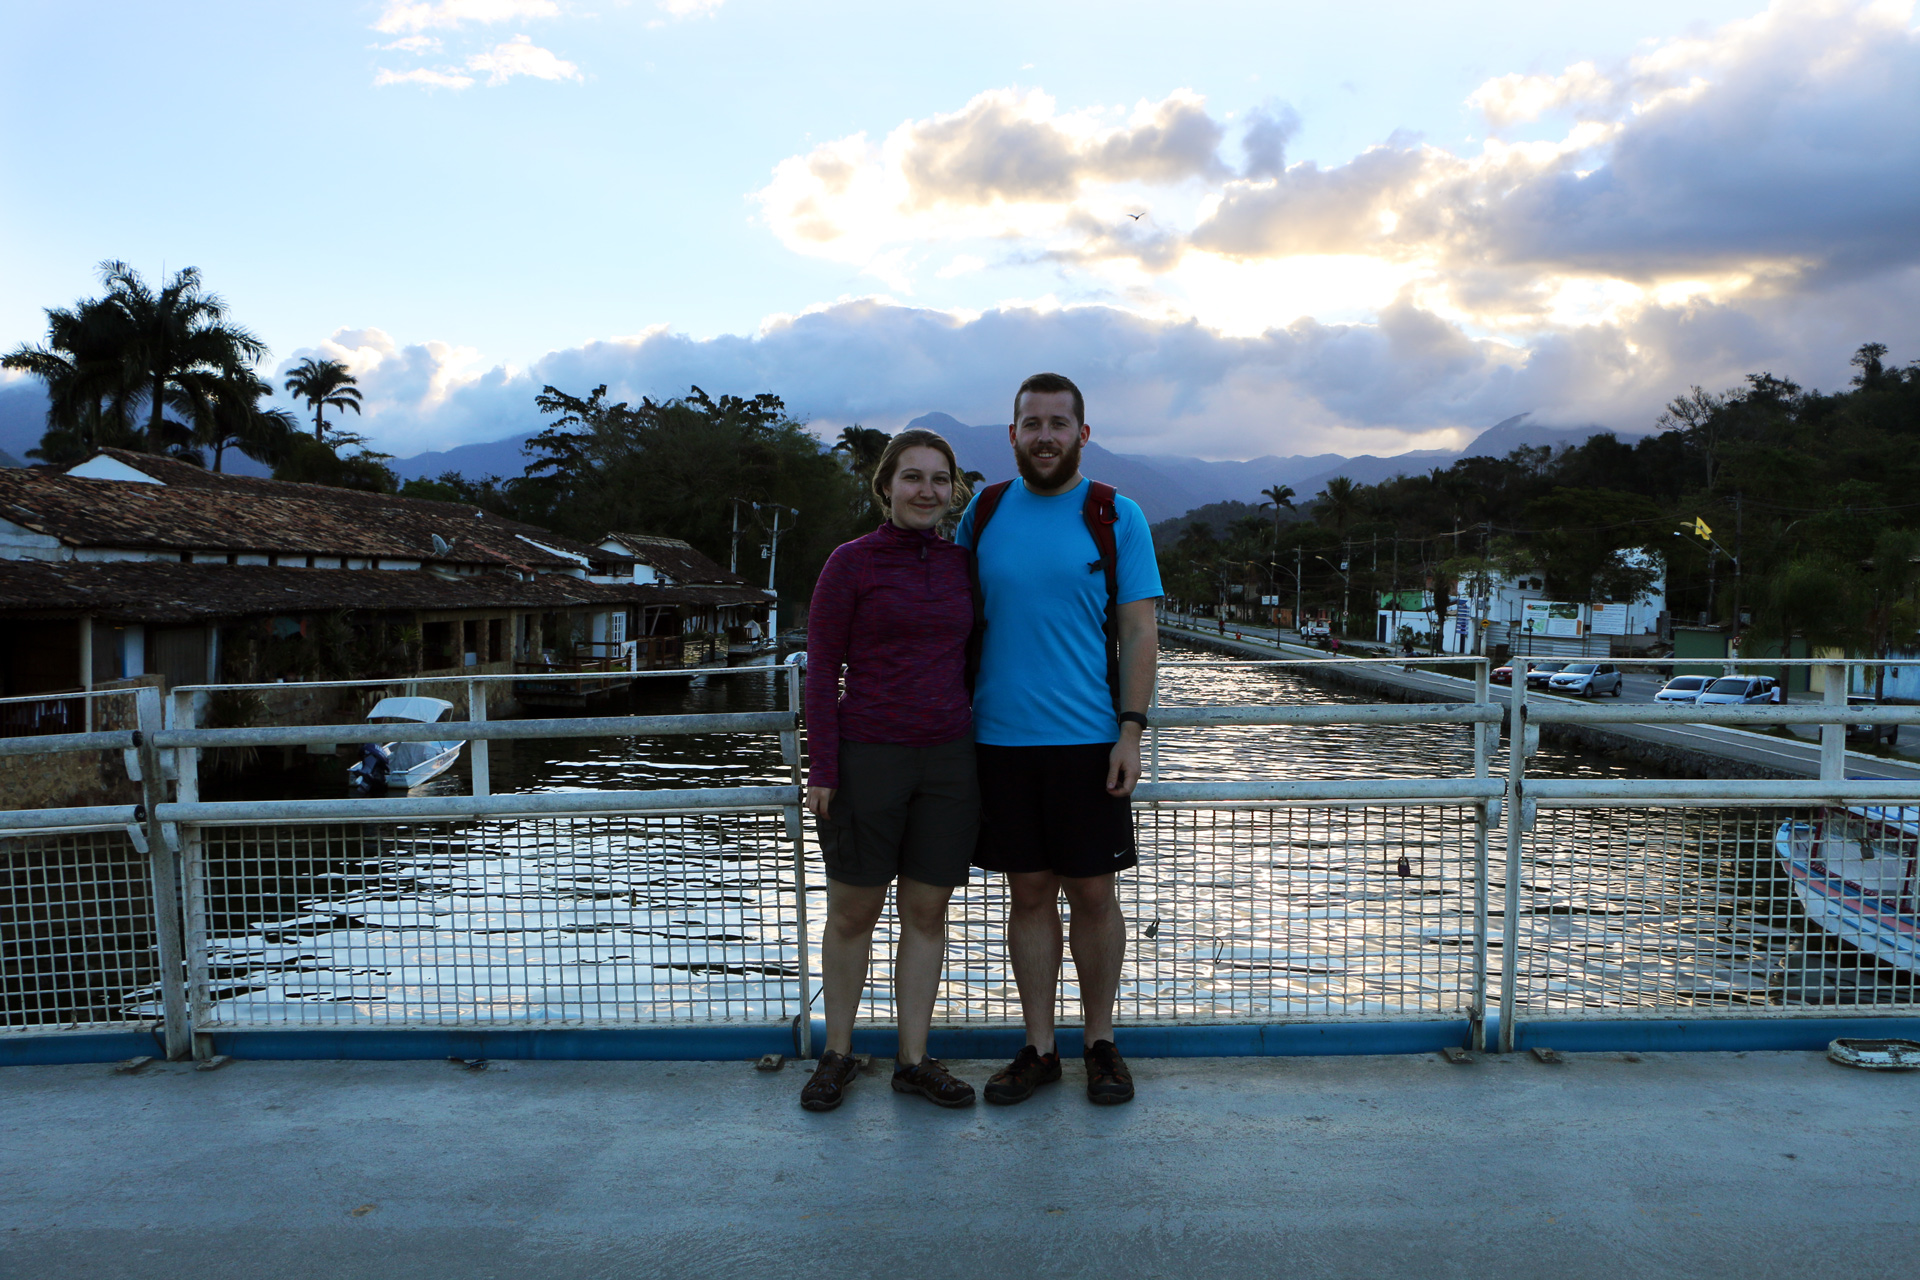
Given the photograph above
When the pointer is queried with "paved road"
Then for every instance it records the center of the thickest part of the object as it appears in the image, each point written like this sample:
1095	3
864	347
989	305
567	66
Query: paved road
1794	757
1699	1165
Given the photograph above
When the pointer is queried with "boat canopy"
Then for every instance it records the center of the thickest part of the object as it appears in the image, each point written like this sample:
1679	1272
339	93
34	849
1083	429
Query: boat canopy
421	710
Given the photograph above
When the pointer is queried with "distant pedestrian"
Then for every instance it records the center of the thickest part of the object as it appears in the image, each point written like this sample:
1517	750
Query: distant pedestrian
1067	582
892	777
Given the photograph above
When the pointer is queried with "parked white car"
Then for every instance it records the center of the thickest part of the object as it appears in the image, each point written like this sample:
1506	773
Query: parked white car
1683	689
1587	680
1737	691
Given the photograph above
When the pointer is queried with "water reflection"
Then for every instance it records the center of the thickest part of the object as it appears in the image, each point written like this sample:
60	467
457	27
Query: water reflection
1238	912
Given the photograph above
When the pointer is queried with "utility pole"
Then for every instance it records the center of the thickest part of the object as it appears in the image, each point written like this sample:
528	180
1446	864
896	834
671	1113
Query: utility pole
733	565
773	563
1297	623
1737	523
1346	590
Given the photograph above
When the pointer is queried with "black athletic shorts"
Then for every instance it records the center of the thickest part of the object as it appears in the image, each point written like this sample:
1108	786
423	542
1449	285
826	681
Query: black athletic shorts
1047	809
902	811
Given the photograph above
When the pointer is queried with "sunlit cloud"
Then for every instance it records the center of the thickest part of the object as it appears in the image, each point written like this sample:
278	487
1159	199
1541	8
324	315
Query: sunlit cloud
1777	148
399	16
689	8
425	77
520	56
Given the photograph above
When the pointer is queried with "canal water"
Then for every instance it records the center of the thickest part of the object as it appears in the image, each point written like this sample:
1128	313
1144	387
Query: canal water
1235	912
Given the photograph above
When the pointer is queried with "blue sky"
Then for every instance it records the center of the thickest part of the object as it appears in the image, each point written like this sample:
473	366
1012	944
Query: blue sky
1366	227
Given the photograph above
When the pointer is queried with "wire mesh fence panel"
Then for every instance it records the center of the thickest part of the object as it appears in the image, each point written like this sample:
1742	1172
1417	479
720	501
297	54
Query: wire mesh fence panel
575	920
1245	913
1703	910
77	934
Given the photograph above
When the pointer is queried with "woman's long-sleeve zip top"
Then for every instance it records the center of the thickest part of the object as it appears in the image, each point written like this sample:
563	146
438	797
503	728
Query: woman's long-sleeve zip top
895	609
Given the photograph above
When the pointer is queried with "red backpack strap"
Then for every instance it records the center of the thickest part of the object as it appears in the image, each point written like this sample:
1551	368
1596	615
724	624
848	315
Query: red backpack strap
983	509
1101	514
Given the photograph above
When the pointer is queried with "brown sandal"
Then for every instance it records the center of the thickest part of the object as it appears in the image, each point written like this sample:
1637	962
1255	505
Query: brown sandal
828	1086
930	1079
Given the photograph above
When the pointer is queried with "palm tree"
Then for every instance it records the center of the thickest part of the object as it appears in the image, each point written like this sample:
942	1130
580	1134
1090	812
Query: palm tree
1278	497
1339	500
171	337
324	384
226	415
863	447
89	391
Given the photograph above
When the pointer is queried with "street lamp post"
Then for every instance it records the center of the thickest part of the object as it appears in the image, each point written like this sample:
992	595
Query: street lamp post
1346	589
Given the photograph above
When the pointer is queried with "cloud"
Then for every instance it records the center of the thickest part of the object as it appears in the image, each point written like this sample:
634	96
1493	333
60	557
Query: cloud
1756	159
690	8
1006	165
520	56
398	16
425	77
1409	378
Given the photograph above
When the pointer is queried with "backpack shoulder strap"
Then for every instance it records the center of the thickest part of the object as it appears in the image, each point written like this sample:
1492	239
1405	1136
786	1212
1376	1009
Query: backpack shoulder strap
1101	514
983	509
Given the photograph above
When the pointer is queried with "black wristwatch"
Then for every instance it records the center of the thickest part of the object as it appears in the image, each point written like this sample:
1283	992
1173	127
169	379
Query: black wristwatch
1135	717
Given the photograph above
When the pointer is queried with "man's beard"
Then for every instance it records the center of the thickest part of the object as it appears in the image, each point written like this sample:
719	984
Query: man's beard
1068	465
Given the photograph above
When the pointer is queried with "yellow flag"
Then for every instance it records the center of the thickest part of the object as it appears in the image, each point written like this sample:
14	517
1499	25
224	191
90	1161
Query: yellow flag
1700	527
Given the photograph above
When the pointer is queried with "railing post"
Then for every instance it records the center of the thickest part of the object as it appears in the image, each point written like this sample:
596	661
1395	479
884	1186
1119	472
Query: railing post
796	838
187	705
1482	732
480	760
165	878
1515	818
1833	737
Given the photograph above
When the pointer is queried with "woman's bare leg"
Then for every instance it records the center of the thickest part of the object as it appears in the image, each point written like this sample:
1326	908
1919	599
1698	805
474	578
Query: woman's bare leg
852	911
923	954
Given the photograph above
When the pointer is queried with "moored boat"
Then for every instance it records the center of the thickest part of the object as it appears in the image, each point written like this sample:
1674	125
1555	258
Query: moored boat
401	765
1854	871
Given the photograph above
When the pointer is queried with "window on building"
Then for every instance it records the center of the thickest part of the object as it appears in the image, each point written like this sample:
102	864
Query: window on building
436	645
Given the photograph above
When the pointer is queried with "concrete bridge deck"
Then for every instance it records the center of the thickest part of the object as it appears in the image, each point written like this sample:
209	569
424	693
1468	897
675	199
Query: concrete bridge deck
1700	1165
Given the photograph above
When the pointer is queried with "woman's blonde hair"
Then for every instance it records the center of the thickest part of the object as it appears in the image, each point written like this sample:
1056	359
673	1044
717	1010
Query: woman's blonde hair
916	438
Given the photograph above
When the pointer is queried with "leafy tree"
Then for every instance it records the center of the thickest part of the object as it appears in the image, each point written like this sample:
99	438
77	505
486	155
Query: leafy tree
324	462
672	468
324	384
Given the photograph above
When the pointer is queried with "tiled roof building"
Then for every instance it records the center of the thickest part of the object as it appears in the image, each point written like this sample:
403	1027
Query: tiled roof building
129	565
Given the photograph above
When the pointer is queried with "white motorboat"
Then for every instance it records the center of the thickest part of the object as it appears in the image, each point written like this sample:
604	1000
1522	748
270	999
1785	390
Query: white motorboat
401	765
1857	873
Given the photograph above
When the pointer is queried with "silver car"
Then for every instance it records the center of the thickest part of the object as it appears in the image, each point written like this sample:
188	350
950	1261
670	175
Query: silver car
1683	689
1587	680
1737	691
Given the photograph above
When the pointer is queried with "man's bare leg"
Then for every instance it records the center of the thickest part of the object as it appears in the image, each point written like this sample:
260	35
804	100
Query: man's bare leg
1034	946
1099	938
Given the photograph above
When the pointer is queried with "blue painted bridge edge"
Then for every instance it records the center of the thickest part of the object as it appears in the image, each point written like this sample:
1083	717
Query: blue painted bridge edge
720	1043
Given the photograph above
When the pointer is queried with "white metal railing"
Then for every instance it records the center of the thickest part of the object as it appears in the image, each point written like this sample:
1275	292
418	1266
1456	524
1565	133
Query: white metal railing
1260	898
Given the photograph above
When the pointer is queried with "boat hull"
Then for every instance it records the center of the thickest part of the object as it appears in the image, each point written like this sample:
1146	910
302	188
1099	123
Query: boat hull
433	759
1854	872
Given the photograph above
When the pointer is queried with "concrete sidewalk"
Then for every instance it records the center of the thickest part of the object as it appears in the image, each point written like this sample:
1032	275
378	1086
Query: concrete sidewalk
1666	1165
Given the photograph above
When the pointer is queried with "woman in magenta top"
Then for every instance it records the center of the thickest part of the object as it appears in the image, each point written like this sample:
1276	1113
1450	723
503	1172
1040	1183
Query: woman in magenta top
890	757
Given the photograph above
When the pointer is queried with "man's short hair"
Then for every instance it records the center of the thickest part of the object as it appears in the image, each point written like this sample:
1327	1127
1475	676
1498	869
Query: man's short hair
1046	384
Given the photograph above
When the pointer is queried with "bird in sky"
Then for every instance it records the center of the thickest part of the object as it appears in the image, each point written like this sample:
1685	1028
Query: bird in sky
1136	216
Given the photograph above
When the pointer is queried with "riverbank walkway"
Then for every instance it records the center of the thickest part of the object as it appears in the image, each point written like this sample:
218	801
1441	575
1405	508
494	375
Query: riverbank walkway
1608	1165
1791	757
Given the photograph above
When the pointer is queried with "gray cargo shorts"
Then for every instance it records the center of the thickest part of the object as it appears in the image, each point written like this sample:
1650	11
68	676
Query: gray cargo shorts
902	811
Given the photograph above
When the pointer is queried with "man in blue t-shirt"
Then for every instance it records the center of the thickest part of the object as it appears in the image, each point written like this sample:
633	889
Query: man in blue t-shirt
1057	764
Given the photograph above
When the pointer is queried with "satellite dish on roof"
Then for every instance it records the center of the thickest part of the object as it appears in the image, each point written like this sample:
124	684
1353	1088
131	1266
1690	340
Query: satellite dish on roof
440	545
